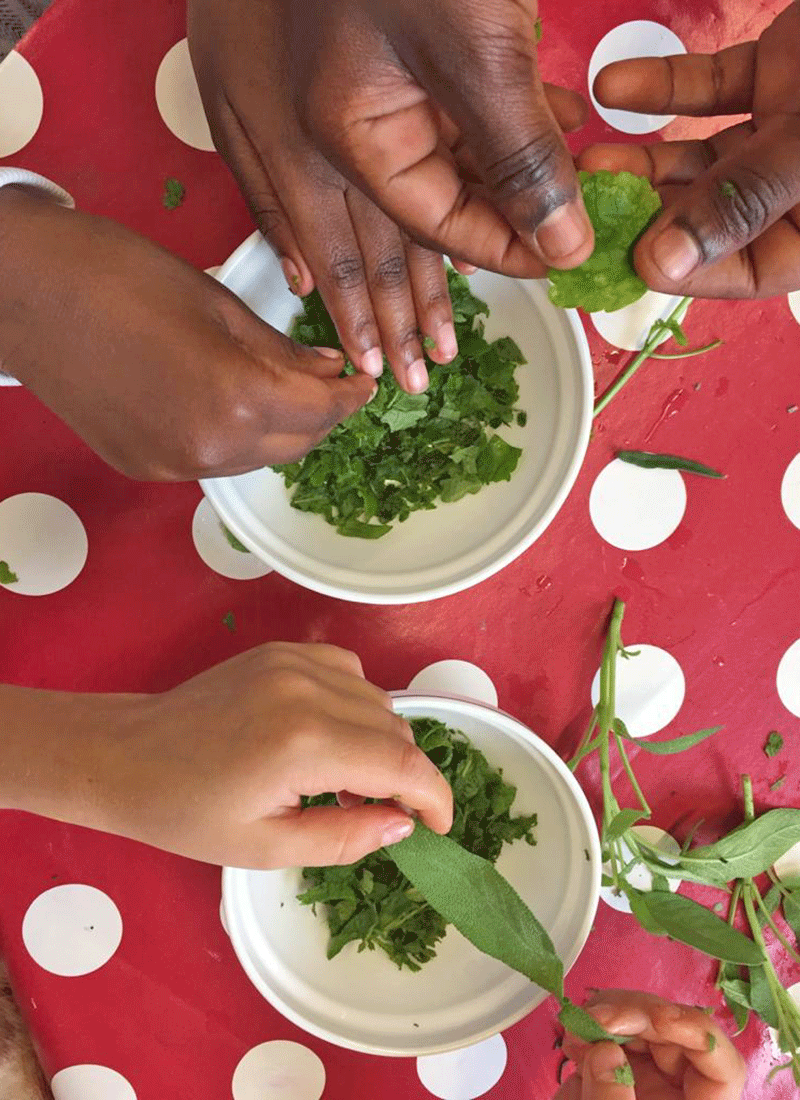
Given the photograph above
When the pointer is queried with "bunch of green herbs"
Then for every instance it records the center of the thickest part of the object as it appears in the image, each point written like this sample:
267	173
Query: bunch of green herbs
404	452
747	978
372	902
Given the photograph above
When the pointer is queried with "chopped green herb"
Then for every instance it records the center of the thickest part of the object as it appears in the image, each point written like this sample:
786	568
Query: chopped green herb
522	419
586	854
728	189
372	902
229	620
776	786
232	539
773	744
650	461
621	207
712	1042
404	452
623	1075
538	30
6	574
174	193
429	343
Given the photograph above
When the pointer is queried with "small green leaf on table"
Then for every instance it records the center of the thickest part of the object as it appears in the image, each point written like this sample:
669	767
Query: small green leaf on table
7	576
174	193
233	541
650	461
773	744
229	621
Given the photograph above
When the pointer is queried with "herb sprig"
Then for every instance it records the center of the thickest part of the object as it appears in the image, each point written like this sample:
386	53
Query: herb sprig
7	575
747	977
404	452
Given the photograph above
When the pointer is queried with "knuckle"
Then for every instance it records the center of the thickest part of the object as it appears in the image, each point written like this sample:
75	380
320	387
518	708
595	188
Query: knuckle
268	218
406	338
533	168
437	301
744	210
390	272
346	272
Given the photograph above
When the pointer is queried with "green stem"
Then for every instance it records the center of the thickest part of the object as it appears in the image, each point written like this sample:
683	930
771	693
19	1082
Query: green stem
733	908
749	804
692	352
632	778
777	932
583	745
655	337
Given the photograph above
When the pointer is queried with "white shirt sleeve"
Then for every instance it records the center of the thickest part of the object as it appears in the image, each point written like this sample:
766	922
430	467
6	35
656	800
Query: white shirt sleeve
23	178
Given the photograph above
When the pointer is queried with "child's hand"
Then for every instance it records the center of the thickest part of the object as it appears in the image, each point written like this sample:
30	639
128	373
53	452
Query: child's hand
676	1053
160	369
731	227
384	292
215	768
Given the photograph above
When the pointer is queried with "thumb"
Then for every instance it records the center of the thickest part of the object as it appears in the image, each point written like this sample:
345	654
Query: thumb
328	836
712	221
605	1071
500	105
347	395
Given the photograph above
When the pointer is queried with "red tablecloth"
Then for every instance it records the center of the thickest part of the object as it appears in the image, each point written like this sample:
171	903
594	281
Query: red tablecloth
170	1013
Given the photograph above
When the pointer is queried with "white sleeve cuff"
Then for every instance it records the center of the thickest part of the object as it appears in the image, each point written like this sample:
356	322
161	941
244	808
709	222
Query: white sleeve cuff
24	178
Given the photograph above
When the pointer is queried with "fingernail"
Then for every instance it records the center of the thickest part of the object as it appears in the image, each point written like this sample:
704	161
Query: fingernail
675	253
291	275
372	362
417	376
329	353
467	269
604	1061
397	832
372	394
563	232
446	341
620	1020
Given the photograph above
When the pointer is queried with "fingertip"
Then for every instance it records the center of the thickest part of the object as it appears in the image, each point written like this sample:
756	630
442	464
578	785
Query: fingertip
604	1063
298	278
329	353
371	362
565	239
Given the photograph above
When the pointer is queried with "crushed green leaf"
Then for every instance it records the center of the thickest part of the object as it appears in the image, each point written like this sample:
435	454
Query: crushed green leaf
776	786
372	902
712	1042
773	744
174	193
7	576
621	207
623	1075
404	452
538	30
229	621
429	343
728	189
232	539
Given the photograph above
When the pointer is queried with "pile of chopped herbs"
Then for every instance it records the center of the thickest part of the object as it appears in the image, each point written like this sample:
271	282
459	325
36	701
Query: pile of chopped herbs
372	902
405	452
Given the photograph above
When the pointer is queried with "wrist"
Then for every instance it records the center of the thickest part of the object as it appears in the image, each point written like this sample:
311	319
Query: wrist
56	756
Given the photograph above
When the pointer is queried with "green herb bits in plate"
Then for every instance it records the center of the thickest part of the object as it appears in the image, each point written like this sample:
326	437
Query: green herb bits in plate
477	516
363	1000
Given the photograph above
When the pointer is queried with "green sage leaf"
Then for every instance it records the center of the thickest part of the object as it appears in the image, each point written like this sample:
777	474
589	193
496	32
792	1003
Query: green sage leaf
472	895
650	461
579	1023
620	824
746	852
761	997
791	913
677	744
690	923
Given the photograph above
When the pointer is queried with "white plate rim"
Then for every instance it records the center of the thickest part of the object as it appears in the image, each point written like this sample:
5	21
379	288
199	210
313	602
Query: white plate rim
233	877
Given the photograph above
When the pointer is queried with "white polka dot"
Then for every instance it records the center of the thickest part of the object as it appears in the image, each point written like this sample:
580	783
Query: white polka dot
212	271
72	930
222	919
794	304
464	1074
788	866
279	1071
789	678
794	993
630	326
7	380
218	554
640	38
639	877
790	491
460	678
43	541
650	689
19	85
91	1083
636	509
178	99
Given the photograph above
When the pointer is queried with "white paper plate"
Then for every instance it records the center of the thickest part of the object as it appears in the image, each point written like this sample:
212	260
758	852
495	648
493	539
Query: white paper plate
362	1001
456	545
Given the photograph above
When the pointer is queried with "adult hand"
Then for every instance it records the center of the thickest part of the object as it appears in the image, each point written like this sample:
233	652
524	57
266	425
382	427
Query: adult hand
676	1052
160	369
731	223
215	769
384	291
